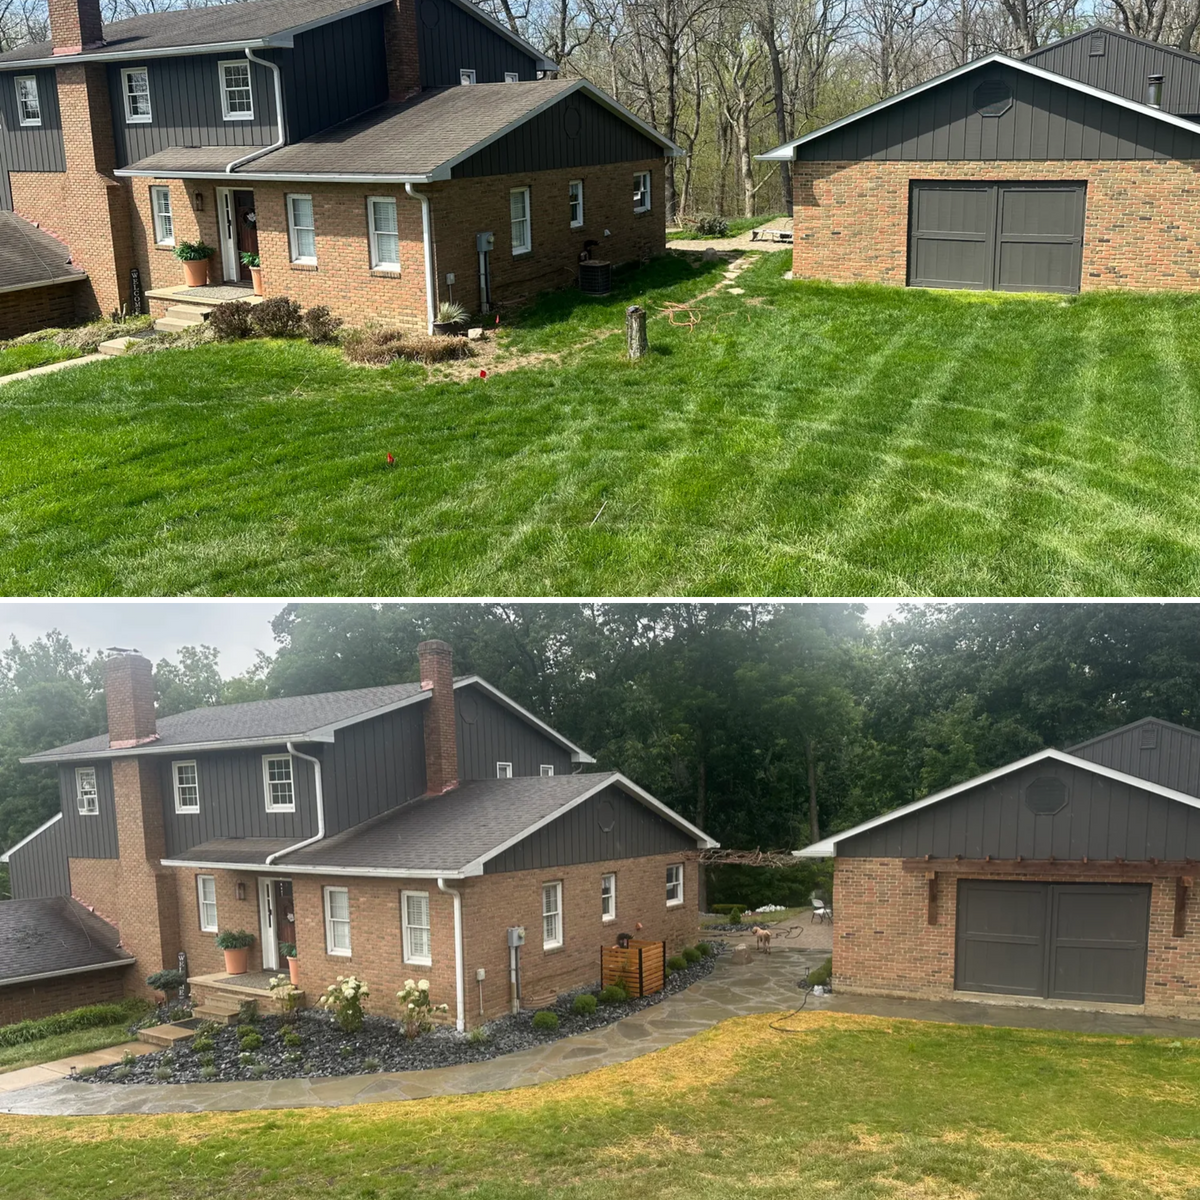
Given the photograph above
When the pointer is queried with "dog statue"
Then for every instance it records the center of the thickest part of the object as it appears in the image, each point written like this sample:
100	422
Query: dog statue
762	938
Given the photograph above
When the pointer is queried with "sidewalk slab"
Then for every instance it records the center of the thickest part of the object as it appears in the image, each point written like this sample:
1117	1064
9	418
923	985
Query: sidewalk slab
50	368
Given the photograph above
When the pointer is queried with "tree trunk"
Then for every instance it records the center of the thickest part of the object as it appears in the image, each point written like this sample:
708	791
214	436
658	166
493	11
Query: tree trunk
635	331
702	795
814	825
781	122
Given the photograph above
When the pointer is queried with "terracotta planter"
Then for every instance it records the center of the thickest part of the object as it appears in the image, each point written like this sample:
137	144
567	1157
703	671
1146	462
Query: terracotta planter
256	279
236	961
294	971
195	272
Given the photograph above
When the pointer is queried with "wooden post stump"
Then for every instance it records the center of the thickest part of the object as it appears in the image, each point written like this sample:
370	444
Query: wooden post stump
635	331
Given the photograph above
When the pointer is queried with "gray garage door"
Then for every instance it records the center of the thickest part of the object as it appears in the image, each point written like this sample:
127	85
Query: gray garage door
1009	237
1065	941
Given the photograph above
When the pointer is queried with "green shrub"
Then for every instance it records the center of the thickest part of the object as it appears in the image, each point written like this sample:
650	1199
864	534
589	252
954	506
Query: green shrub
478	1035
319	325
277	317
208	1060
820	975
247	1059
545	1020
163	1073
792	885
122	1072
613	994
705	948
370	1064
291	1038
208	1071
242	1030
231	320
165	981
583	1005
712	227
201	1045
692	954
676	963
248	1012
293	1056
86	1072
250	1041
128	1058
193	251
88	1017
234	939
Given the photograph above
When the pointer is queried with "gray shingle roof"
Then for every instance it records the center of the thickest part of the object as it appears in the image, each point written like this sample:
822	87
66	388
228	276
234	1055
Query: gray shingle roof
54	936
29	256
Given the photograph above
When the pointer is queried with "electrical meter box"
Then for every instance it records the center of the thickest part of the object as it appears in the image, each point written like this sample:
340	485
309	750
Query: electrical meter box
485	242
516	935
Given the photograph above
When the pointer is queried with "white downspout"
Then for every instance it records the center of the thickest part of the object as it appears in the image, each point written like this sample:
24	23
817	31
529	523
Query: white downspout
459	985
279	141
427	235
316	837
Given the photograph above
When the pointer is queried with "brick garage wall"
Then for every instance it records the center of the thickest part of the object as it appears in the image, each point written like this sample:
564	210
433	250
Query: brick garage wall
94	883
883	944
37	308
1141	226
28	1001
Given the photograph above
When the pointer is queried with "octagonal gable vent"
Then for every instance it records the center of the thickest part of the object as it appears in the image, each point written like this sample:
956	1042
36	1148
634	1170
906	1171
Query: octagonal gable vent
992	98
1046	796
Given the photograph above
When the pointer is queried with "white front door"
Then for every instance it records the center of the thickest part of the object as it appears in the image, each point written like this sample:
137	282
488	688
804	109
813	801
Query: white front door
268	925
227	235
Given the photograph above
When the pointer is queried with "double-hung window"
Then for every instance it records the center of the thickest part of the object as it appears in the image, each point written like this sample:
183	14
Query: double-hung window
187	787
641	192
237	99
551	915
385	233
504	770
135	86
337	921
674	884
518	211
302	229
277	783
206	894
87	797
417	947
608	897
29	106
164	222
575	199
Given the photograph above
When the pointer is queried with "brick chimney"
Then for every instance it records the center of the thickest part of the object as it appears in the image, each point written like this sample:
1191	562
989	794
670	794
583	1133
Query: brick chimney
400	47
75	25
441	741
129	696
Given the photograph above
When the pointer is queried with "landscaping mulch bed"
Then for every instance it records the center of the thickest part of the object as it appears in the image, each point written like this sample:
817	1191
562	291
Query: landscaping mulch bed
379	1046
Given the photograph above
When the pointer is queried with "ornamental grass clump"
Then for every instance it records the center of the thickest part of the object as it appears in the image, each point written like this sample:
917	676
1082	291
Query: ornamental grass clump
375	347
416	1009
344	999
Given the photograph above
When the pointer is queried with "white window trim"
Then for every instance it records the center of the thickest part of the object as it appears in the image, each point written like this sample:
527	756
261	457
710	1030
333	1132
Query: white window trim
468	73
377	263
556	884
154	214
267	760
305	261
643	175
675	903
612	916
37	96
329	946
502	774
87	812
141	118
573	183
528	246
546	770
417	960
185	762
225	113
200	903
512	77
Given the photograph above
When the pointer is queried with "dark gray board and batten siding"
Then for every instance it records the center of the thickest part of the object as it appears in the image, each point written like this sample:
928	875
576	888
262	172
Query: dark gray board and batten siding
609	825
31	147
1103	819
488	733
1047	121
90	836
1165	754
1124	68
40	868
575	132
6	201
450	40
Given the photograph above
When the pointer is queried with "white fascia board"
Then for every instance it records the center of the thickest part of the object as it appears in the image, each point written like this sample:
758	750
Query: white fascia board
30	836
176	748
827	848
271	177
24	287
286	868
324	733
104	966
786	152
577	755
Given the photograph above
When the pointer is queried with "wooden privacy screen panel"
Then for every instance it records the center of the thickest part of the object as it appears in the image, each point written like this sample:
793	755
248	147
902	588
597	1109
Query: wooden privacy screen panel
640	970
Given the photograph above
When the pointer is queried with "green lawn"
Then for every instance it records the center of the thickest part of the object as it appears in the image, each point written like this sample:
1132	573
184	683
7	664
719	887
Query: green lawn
63	1045
851	1108
33	354
802	439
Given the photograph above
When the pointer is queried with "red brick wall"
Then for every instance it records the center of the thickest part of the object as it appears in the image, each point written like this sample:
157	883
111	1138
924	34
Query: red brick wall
37	308
441	741
158	265
94	883
199	945
1141	228
883	944
401	48
28	1001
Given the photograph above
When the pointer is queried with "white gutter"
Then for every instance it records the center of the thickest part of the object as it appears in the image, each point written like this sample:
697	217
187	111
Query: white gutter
37	283
316	837
171	748
427	235
269	176
459	984
282	138
304	869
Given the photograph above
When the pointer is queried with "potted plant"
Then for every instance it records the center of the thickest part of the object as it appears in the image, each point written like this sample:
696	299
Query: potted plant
236	943
451	319
251	260
194	256
288	950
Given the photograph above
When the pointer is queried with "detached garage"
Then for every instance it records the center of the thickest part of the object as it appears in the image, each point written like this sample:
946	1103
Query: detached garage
1066	878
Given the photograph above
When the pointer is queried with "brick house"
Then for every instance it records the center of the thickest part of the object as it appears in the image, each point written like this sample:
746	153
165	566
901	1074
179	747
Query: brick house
1065	878
1073	168
390	833
333	138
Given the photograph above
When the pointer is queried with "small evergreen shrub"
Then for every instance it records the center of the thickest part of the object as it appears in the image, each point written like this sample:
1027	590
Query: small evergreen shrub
677	963
692	954
346	1051
712	227
250	1041
584	1004
821	975
319	325
247	1059
231	320
545	1020
705	948
208	1060
165	981
613	994
292	1038
278	317
242	1030
248	1012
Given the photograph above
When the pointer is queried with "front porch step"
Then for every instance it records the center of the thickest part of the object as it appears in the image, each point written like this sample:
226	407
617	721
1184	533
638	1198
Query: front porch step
166	1035
218	997
223	1012
189	314
119	345
174	325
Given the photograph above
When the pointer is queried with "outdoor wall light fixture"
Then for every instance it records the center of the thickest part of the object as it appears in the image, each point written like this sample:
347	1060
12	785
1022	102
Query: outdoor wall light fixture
198	201
241	890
